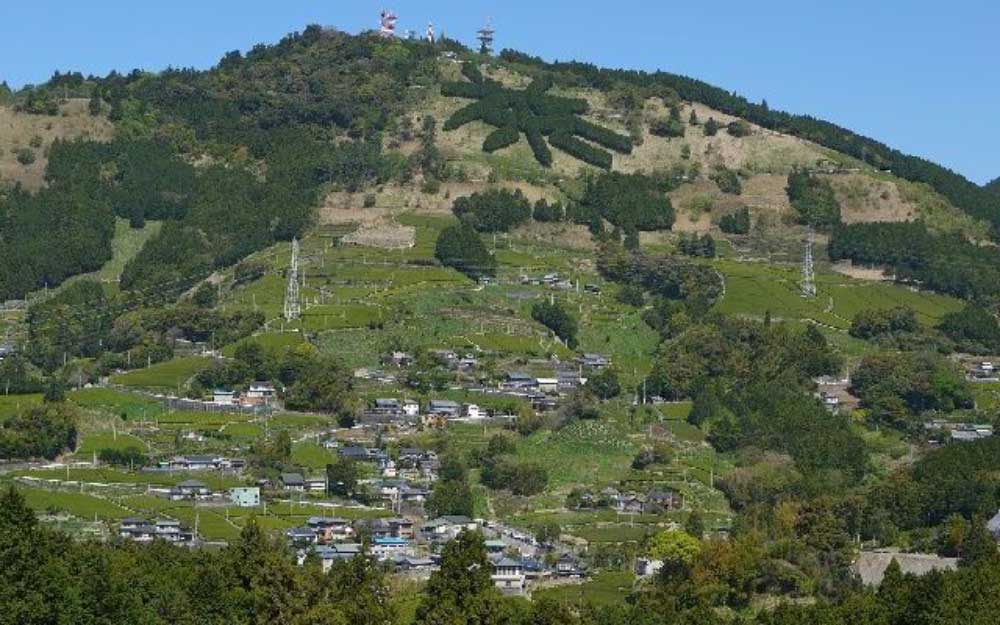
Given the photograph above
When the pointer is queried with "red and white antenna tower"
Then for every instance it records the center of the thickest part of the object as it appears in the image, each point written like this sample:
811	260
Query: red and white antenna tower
485	37
387	23
430	32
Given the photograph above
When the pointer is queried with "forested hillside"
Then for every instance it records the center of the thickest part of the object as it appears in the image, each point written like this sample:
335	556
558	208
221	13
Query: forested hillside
681	358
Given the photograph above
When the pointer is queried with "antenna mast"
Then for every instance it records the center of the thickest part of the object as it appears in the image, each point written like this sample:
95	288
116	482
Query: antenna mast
293	308
387	23
485	37
808	268
430	32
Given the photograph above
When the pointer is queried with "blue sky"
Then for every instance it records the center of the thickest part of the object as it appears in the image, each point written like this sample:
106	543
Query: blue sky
921	76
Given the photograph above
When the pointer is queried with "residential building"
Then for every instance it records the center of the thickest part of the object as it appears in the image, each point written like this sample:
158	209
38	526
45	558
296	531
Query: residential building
223	397
245	497
302	536
260	393
548	385
315	485
444	408
508	575
594	361
569	566
293	482
189	489
387	547
472	411
411	409
519	382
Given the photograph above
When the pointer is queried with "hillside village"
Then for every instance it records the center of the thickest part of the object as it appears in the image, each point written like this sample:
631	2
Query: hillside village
615	345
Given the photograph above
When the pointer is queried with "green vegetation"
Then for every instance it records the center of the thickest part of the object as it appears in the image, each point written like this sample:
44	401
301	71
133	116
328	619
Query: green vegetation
944	263
496	210
461	248
39	432
164	376
813	199
535	114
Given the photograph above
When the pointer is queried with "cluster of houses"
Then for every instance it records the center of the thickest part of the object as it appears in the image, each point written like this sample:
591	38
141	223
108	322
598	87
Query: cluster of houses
555	281
414	550
542	391
958	432
201	463
257	394
984	372
656	501
144	531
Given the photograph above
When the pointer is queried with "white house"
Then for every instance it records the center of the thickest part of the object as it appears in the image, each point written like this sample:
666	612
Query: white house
508	575
548	385
222	397
411	408
245	497
472	412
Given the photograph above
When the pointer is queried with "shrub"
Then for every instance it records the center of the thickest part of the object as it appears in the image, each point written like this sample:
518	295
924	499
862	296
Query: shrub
711	127
668	128
369	200
460	247
728	181
25	156
739	129
737	222
555	318
494	210
693	245
813	199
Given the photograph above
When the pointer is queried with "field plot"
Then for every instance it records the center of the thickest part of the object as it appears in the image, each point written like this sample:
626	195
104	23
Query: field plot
754	289
129	406
76	504
11	405
165	376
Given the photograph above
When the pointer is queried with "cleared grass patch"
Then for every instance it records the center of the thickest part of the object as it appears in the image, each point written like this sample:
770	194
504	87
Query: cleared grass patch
118	403
165	376
77	504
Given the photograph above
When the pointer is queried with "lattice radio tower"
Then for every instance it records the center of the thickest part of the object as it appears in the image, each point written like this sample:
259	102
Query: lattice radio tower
485	37
293	307
809	268
430	36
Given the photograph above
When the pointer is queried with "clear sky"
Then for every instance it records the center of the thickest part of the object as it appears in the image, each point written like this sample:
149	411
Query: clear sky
921	76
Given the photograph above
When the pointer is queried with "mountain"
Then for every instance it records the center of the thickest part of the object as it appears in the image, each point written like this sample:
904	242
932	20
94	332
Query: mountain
327	114
993	186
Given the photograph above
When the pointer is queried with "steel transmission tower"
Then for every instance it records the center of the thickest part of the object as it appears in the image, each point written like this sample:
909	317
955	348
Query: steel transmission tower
293	308
808	268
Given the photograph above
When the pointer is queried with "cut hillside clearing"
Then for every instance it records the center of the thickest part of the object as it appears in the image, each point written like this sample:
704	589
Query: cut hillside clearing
35	133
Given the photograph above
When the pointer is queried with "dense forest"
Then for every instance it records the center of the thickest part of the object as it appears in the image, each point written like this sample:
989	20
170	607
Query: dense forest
944	263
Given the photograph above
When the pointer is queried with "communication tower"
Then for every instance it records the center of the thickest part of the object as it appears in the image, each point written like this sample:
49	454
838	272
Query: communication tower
808	268
485	37
293	307
387	23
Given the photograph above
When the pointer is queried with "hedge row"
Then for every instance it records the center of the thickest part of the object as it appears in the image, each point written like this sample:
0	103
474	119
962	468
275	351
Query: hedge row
607	138
580	150
471	71
541	149
501	138
466	90
463	116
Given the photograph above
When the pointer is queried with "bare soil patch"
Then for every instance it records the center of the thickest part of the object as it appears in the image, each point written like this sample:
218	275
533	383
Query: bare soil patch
19	130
